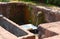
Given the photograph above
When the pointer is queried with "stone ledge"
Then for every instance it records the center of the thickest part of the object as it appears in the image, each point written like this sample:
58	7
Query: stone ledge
6	35
15	29
49	28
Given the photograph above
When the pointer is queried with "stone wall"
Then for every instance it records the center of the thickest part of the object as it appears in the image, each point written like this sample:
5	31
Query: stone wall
51	15
37	14
16	12
3	9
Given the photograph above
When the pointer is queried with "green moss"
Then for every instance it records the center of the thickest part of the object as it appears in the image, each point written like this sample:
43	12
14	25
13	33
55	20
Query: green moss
5	0
41	18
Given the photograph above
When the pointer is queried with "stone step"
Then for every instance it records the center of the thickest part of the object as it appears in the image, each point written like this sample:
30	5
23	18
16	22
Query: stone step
6	35
50	30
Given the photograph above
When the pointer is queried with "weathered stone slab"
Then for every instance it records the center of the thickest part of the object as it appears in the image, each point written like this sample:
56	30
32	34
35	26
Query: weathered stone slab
6	35
15	29
49	29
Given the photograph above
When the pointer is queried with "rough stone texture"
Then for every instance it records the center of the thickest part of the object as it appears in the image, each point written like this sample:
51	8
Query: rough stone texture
10	9
51	15
50	30
14	29
3	8
16	12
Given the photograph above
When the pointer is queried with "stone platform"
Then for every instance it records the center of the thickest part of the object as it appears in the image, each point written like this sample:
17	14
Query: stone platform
50	30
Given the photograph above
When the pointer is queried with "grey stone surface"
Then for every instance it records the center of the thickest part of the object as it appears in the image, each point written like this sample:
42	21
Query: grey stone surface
12	28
